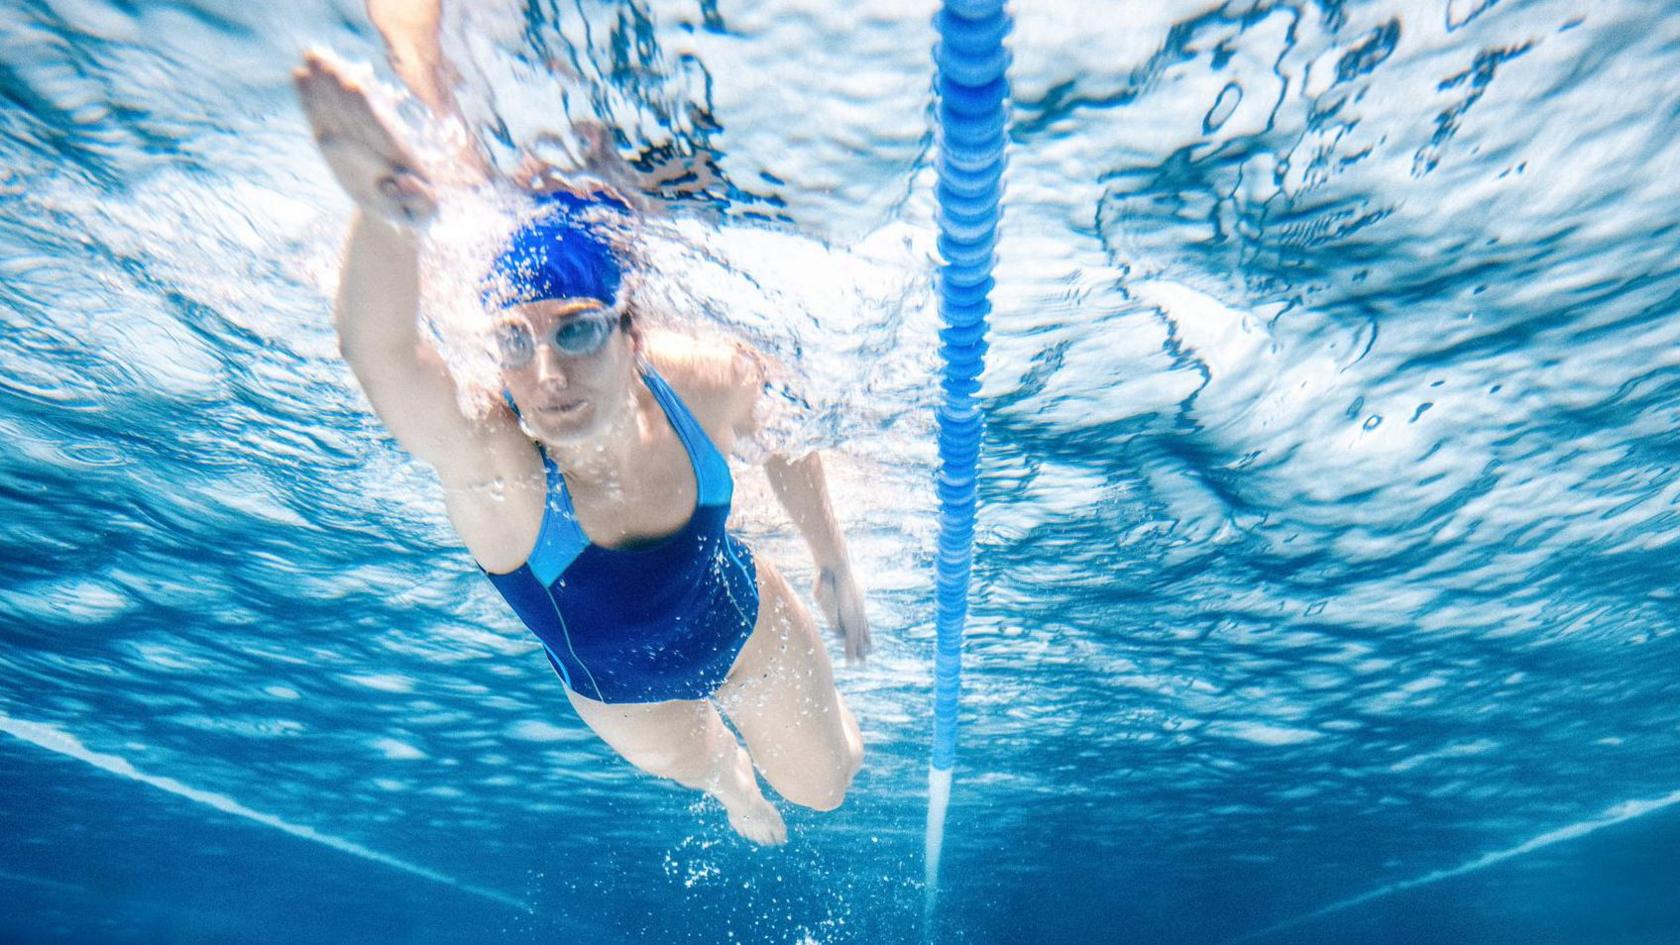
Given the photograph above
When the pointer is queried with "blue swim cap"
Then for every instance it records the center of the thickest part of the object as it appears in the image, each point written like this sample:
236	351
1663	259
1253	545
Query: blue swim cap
561	253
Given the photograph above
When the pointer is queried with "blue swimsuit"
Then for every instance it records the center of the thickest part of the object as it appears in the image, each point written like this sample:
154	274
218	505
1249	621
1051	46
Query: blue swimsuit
650	623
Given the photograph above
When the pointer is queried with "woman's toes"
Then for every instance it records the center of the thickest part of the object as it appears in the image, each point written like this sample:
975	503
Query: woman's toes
762	824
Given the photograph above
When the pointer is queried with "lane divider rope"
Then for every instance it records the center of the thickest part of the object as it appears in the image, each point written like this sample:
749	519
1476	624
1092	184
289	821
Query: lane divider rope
972	94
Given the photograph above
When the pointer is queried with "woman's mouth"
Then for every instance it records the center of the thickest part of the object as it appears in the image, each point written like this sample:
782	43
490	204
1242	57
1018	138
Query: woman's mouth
563	408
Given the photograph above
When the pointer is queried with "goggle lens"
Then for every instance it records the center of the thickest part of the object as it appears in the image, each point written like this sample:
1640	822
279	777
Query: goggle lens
582	335
515	345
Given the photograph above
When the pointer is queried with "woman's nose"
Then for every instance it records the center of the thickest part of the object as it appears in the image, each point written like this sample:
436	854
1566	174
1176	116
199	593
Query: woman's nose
550	366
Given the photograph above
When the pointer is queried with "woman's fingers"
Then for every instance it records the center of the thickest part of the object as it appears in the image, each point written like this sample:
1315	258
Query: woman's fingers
325	94
841	601
824	593
855	623
340	106
359	143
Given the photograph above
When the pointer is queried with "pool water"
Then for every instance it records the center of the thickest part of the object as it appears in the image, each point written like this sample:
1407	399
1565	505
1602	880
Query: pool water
1325	564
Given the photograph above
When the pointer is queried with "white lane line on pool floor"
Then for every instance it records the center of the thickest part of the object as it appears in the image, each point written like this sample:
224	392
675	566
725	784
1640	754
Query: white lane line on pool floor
63	743
41	881
1615	814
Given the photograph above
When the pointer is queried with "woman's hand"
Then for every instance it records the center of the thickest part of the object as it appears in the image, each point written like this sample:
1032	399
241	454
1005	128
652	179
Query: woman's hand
356	137
841	600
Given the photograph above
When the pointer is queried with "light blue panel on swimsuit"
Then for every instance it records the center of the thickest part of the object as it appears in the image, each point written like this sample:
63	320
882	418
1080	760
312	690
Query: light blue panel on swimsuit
559	539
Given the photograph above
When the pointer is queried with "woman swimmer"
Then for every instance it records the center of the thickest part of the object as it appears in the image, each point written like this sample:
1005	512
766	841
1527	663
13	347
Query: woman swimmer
608	538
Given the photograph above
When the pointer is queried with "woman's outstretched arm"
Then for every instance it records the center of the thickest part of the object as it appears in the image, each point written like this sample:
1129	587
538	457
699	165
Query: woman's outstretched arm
378	299
376	314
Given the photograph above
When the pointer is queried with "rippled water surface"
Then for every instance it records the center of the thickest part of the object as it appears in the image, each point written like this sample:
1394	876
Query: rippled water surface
1325	571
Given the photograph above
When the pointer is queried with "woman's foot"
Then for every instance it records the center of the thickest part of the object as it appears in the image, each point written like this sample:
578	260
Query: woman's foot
757	819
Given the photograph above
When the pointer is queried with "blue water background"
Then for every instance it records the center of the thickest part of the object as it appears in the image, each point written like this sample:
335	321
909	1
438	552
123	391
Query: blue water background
1327	547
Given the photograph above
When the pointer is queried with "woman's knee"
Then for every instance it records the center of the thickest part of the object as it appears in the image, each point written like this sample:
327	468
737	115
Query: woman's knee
821	786
820	796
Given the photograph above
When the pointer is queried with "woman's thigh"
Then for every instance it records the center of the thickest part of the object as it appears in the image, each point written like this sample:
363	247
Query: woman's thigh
780	694
680	739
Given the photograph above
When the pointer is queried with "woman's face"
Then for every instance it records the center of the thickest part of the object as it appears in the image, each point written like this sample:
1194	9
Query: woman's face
568	364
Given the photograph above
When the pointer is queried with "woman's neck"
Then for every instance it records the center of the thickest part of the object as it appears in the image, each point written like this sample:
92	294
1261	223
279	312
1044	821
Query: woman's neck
609	458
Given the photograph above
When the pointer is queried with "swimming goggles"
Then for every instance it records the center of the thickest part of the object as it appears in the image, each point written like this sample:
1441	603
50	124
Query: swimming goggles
573	336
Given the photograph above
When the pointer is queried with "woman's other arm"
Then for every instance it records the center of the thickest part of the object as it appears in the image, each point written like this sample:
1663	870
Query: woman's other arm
802	487
723	383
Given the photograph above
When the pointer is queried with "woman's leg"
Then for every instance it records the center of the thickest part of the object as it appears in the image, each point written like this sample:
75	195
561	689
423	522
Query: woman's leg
414	47
688	743
781	696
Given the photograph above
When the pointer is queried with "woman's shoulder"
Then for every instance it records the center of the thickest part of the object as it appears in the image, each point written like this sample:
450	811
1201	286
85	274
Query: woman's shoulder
719	378
706	366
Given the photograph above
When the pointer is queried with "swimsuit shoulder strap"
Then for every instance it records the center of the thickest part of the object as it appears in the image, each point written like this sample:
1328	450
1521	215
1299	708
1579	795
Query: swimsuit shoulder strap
711	469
